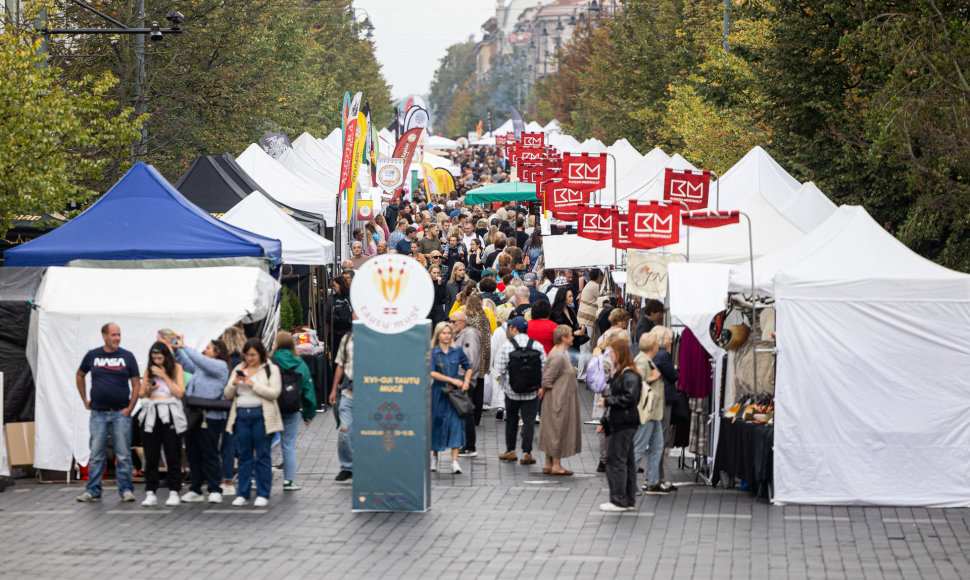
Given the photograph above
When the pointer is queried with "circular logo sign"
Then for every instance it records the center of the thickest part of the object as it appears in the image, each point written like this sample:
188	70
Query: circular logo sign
391	293
389	176
364	211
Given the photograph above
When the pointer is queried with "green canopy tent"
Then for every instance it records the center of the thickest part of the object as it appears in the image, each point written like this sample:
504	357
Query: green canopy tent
510	191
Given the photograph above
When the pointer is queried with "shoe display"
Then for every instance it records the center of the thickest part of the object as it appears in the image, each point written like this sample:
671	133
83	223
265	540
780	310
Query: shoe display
601	468
507	456
261	502
344	475
239	501
215	497
290	485
173	499
467	452
455	468
434	463
87	498
192	497
609	507
500	415
527	459
128	496
150	499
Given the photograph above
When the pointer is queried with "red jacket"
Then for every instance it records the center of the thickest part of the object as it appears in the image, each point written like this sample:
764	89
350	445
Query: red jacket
541	330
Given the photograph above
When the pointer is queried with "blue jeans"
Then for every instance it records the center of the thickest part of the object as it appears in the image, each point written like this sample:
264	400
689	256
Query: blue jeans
345	447
291	428
112	424
250	432
650	433
227	449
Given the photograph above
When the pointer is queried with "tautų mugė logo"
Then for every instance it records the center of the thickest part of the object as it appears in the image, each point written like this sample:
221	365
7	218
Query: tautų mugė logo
391	280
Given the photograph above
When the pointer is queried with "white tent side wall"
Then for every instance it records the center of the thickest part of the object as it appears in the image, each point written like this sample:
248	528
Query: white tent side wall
74	303
861	420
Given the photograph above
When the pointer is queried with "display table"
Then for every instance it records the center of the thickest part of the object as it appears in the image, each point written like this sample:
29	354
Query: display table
745	451
319	367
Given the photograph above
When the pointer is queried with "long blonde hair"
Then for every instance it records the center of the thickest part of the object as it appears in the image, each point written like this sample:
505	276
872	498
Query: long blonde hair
437	330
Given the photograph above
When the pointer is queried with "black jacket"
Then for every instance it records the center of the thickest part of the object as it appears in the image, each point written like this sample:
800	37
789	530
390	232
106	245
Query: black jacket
622	400
669	374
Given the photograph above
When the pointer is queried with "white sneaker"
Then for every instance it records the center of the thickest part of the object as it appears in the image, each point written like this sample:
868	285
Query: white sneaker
261	502
173	499
239	501
228	489
455	468
192	497
434	463
610	507
215	497
150	499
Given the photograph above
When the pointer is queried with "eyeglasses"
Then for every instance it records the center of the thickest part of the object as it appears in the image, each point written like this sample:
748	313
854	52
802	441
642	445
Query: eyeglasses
435	257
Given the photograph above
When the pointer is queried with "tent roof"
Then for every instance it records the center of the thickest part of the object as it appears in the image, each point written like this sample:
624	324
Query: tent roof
141	217
509	191
850	257
644	184
284	186
208	186
320	152
809	208
334	141
436	142
770	231
757	172
258	214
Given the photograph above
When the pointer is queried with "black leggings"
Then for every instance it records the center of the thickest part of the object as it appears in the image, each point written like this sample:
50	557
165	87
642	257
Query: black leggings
163	435
477	392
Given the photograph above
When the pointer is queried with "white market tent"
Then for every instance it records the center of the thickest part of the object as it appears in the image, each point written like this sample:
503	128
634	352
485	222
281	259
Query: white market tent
553	127
809	208
872	389
72	307
755	172
284	186
318	151
441	143
334	142
302	164
261	216
441	162
572	251
533	127
565	143
643	186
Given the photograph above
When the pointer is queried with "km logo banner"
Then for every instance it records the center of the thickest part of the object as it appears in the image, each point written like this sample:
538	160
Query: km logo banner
595	223
533	139
584	171
653	225
687	186
560	197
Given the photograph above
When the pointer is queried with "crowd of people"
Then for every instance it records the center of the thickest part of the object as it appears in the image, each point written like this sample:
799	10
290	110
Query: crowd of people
510	336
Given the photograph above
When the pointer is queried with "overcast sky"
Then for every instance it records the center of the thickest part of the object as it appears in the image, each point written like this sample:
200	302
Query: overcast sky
412	35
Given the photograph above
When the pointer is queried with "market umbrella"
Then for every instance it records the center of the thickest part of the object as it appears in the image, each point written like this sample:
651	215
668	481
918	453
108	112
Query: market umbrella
509	191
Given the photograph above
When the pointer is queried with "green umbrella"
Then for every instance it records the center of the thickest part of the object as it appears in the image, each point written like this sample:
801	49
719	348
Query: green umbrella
510	191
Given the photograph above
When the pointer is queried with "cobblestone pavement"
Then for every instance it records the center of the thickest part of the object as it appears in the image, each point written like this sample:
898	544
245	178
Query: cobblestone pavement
494	520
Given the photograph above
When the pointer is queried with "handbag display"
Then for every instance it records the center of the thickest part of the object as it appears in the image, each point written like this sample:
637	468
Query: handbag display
460	400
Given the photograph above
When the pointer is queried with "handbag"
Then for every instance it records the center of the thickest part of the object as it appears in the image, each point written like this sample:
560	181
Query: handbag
460	400
204	404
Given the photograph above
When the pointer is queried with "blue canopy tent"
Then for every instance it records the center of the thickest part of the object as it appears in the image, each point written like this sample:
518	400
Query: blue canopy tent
142	217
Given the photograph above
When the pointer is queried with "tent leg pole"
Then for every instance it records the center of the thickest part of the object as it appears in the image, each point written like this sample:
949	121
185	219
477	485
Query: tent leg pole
754	308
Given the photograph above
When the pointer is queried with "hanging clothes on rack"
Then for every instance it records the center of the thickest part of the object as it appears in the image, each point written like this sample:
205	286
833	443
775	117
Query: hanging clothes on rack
695	367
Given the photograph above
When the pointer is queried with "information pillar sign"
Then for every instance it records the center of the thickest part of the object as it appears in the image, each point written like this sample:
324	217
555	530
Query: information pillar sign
391	431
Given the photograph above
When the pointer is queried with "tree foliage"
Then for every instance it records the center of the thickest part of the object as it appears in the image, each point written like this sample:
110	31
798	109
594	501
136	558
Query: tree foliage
239	68
59	139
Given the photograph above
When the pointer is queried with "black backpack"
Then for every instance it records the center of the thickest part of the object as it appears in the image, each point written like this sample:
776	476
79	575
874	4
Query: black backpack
290	399
342	314
525	368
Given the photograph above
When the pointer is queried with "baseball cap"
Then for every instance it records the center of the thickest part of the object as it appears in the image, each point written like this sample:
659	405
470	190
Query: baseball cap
519	323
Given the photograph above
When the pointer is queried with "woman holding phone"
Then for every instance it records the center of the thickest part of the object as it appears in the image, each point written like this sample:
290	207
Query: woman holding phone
162	422
254	416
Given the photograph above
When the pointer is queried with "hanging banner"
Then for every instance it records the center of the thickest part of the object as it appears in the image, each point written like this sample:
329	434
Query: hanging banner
446	180
405	148
533	140
531	172
500	140
355	166
518	124
561	197
647	274
522	153
653	225
350	139
621	230
595	223
416	117
584	171
390	173
365	210
710	218
346	110
566	216
687	186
